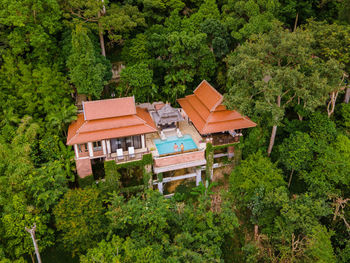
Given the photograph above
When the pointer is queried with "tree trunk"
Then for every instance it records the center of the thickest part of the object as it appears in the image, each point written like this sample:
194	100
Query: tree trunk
290	178
36	248
296	22
272	140
331	104
347	95
102	41
256	232
100	34
274	130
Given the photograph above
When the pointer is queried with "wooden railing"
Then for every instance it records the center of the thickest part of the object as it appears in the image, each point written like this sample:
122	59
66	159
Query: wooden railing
221	140
128	157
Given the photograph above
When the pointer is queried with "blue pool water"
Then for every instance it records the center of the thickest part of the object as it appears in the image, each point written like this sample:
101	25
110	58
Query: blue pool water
167	146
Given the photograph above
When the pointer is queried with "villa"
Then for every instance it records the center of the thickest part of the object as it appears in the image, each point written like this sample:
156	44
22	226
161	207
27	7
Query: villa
121	131
109	129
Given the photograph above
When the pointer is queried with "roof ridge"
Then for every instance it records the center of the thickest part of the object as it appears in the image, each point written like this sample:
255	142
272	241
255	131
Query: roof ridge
196	109
77	131
144	122
213	89
92	101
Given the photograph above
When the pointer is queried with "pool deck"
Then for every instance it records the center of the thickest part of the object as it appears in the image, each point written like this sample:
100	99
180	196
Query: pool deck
185	128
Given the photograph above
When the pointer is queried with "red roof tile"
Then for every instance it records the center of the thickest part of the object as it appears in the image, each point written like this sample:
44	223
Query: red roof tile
209	96
102	109
138	123
208	115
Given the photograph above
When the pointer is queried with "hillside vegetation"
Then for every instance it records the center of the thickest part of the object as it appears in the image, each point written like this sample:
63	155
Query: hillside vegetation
285	64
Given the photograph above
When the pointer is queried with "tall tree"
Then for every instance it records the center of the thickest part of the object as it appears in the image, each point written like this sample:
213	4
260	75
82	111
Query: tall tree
85	71
244	18
102	16
333	41
296	152
30	27
79	217
271	72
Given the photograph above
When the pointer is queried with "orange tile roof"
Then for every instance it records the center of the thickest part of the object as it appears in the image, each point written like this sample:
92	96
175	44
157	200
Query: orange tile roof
82	131
208	114
102	109
210	97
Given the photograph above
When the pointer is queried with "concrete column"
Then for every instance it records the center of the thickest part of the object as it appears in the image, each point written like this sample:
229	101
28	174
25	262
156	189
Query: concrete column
198	176
160	187
104	147
143	141
108	142
76	151
91	150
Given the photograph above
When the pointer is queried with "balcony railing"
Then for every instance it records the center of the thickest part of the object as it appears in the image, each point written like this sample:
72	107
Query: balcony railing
127	157
224	139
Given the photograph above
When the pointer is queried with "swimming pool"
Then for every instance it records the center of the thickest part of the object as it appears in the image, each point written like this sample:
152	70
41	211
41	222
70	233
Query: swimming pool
167	146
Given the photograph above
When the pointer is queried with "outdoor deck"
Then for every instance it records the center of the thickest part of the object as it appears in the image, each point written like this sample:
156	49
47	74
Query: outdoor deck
127	157
185	128
223	139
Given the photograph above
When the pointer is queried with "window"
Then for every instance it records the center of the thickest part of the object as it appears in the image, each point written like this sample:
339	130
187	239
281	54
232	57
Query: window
97	146
126	142
137	142
83	148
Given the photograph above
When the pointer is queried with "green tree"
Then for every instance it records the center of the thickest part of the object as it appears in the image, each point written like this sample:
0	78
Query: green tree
257	185
31	26
329	175
118	20
85	71
245	18
296	152
79	217
27	193
333	41
273	71
137	80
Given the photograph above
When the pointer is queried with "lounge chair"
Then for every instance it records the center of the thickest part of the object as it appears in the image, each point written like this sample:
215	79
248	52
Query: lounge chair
131	152
120	155
179	134
162	136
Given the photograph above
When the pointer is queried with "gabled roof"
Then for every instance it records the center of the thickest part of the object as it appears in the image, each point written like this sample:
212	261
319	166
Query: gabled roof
102	109
210	97
166	115
208	114
113	118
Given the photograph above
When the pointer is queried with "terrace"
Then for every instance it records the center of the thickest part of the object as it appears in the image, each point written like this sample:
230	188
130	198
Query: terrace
126	157
224	138
177	159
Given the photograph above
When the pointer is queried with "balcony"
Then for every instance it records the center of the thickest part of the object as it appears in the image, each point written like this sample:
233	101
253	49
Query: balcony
224	138
126	157
179	161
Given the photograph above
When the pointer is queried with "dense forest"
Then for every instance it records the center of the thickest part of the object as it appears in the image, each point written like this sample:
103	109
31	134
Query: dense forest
283	63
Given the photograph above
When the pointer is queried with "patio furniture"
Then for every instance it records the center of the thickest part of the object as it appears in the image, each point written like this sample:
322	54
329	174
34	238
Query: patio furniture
120	155
162	136
131	152
179	134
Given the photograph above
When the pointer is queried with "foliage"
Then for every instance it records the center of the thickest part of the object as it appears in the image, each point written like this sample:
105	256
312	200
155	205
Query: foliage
245	18
255	172
79	217
167	229
28	193
296	152
85	71
281	74
137	79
